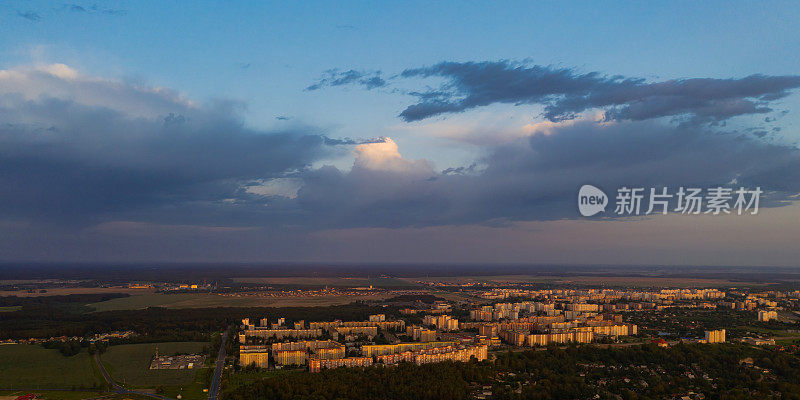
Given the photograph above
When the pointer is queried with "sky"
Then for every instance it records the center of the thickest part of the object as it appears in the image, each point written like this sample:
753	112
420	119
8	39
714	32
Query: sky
397	132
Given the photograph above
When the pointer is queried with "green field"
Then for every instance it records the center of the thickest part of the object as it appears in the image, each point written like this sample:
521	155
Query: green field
10	309
33	366
144	301
129	364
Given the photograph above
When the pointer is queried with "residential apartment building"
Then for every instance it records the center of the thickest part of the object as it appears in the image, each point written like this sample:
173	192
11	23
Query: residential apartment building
381	349
767	315
317	364
717	336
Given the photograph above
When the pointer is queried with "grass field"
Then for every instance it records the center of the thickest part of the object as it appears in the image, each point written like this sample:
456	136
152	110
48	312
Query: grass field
199	300
10	308
33	366
130	364
773	332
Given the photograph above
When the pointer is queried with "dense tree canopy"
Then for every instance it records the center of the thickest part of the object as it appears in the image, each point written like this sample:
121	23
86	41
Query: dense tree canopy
636	372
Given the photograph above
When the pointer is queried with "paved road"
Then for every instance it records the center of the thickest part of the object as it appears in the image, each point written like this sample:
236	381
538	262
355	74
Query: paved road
213	391
116	388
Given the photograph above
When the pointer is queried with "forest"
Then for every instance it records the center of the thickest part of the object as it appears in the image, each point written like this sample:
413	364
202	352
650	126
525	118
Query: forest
53	316
726	371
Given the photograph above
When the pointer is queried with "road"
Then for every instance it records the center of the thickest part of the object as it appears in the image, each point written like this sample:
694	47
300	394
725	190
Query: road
213	391
116	388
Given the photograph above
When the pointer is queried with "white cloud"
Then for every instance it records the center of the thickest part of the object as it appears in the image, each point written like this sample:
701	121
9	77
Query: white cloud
284	187
61	82
385	156
498	124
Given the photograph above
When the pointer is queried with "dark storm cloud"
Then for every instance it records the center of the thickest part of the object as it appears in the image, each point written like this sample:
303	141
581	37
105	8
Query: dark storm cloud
65	161
334	77
564	92
537	178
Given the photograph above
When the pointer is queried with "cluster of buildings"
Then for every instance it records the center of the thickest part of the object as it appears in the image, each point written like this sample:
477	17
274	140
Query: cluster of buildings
441	322
279	334
605	295
438	307
270	292
113	335
572	322
611	300
290	353
322	354
422	334
557	316
183	361
348	330
577	334
451	352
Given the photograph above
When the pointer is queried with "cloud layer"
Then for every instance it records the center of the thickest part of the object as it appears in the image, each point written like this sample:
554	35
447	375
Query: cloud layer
536	177
565	93
84	151
79	149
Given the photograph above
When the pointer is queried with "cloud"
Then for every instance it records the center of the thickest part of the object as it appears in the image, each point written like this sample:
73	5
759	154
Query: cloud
118	167
78	150
384	156
350	141
95	9
59	81
536	178
489	126
81	150
565	92
334	77
30	15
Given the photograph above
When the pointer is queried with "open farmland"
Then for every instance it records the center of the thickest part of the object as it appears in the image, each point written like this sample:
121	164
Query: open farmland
32	366
130	363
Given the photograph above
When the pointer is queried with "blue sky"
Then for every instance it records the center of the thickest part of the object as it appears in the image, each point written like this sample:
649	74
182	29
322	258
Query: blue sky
259	58
201	50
